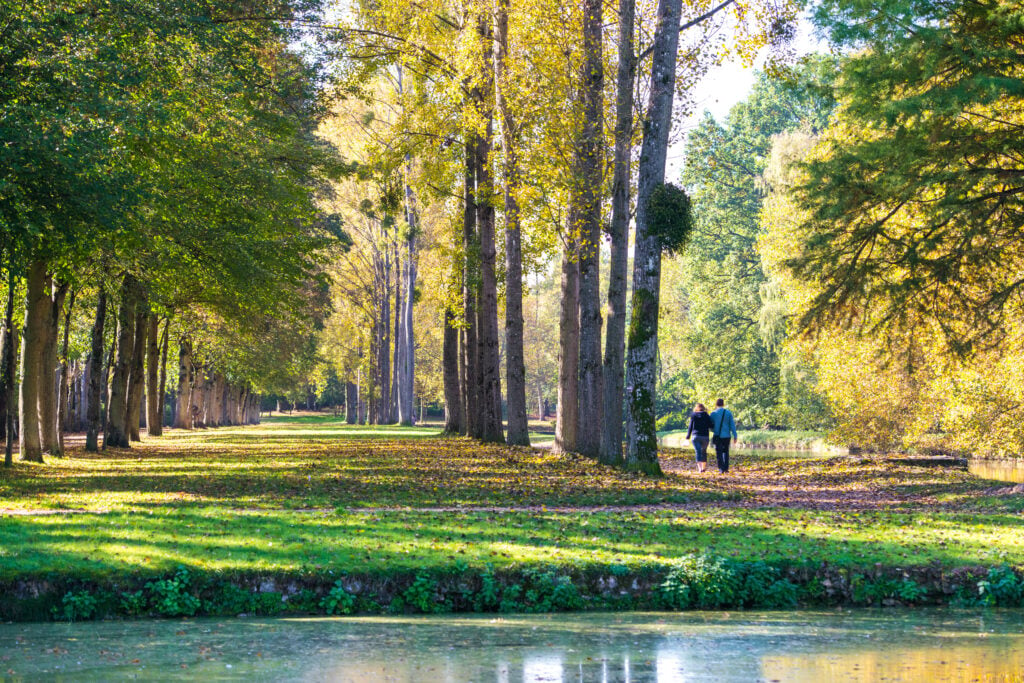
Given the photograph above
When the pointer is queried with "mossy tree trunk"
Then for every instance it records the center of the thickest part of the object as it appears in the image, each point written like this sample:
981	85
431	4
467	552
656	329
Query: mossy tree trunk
641	361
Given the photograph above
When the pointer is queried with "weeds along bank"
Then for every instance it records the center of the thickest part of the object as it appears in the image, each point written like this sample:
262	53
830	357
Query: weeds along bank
706	582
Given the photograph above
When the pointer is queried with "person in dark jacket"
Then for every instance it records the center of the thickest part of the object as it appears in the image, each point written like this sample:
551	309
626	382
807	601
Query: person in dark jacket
698	433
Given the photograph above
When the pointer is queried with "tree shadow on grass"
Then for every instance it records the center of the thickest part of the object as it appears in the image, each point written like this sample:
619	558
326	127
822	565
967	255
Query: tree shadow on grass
92	546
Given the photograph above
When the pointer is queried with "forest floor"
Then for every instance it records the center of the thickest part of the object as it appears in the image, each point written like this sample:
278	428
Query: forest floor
311	494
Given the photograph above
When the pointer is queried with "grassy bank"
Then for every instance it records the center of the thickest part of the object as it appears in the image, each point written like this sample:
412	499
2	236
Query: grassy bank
304	503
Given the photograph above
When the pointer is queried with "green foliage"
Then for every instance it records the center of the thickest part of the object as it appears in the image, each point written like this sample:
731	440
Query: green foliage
670	217
133	604
488	598
677	419
172	597
931	96
422	595
76	606
886	590
268	604
229	600
1001	587
338	600
701	582
763	586
546	591
305	601
723	324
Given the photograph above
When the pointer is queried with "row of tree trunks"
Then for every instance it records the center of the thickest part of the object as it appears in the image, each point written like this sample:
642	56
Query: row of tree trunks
207	398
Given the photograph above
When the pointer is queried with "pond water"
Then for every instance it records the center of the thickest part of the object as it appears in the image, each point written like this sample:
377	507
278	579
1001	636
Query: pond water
846	645
1002	470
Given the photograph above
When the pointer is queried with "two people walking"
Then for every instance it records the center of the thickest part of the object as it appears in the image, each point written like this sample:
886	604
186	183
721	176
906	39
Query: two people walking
717	428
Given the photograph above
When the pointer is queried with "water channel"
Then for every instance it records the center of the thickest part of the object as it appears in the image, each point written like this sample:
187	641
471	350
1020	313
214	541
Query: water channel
838	645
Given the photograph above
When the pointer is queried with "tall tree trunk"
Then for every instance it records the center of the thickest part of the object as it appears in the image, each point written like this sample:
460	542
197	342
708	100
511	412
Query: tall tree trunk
95	374
615	339
490	427
351	403
186	384
199	398
641	360
470	279
590	160
360	398
154	397
48	395
453	419
7	385
137	378
515	362
37	310
82	407
407	367
63	392
567	417
117	404
108	367
162	388
383	411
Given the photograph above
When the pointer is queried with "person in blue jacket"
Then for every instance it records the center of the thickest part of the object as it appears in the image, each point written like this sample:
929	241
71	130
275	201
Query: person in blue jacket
723	428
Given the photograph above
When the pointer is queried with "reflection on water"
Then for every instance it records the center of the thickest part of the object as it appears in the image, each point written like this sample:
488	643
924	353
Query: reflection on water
1003	470
859	645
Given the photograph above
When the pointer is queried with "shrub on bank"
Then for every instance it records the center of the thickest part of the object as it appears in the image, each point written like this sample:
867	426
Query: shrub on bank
699	581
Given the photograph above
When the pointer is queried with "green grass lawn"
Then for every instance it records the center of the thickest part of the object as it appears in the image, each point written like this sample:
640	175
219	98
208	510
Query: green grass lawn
313	495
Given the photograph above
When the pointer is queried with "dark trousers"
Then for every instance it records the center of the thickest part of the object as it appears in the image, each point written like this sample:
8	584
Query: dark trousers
722	452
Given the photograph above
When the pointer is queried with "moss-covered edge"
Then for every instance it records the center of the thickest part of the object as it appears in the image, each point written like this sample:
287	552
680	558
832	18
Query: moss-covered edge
697	581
